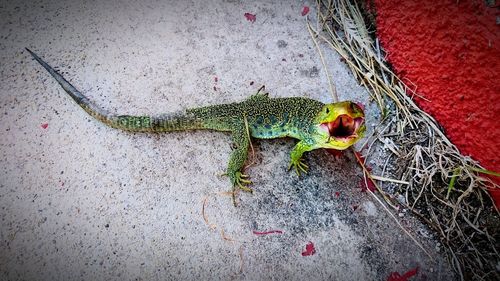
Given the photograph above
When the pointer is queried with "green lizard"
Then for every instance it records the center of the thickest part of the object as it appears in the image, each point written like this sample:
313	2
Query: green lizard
316	125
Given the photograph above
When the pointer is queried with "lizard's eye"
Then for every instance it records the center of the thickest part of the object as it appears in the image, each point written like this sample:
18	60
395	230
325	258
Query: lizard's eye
327	110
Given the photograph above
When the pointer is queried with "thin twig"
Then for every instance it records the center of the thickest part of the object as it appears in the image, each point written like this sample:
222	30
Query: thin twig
389	180
333	90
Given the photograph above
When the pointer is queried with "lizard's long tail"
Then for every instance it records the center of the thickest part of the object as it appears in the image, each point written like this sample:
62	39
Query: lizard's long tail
163	123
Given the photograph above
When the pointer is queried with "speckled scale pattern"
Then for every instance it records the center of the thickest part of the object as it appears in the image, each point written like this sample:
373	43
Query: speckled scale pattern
163	123
261	117
266	117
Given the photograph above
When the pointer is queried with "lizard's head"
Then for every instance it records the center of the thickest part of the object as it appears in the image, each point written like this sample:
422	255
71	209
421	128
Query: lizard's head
340	125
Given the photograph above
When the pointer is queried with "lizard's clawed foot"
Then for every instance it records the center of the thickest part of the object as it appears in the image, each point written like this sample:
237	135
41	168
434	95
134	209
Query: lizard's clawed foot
240	181
299	166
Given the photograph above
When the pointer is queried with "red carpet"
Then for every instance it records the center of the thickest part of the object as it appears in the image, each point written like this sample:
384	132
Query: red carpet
450	50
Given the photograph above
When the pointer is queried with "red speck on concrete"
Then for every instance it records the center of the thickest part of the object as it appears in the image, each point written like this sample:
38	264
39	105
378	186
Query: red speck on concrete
450	50
310	250
250	17
44	125
396	277
305	11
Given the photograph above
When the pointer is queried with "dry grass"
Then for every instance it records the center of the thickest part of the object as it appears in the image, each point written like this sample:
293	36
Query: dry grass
447	190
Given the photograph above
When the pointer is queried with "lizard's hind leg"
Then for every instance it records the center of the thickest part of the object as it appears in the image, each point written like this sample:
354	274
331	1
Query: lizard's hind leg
241	140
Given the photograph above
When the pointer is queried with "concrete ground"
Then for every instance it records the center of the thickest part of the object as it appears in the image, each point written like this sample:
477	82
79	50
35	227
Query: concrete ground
81	201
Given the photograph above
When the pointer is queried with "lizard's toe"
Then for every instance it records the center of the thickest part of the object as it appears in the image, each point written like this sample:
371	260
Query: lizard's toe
240	181
299	167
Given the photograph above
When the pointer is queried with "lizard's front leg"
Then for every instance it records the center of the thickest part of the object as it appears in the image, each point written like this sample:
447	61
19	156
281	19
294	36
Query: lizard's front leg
296	157
241	141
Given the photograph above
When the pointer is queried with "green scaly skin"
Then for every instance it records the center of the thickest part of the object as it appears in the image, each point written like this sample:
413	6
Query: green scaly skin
259	116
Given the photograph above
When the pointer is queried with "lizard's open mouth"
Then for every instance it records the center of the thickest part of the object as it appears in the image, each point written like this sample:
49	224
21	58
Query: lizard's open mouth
344	127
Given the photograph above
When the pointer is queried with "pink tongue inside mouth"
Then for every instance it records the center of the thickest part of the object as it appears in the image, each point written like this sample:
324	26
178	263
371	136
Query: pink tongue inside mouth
343	126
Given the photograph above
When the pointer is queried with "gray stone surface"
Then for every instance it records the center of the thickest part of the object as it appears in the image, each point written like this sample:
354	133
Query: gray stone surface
81	201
